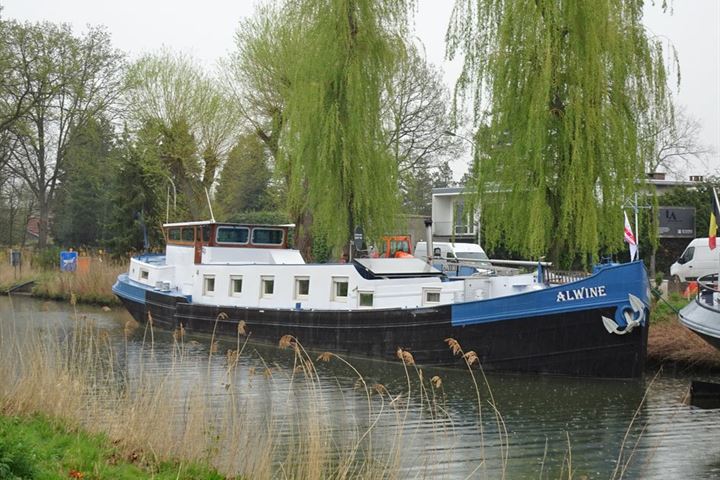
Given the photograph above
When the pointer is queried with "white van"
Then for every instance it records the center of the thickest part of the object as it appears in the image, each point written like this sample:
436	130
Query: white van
452	251
696	261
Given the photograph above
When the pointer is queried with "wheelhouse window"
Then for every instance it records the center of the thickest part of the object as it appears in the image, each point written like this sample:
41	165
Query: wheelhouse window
267	236
144	274
431	296
174	234
302	287
230	234
340	289
365	299
268	286
206	233
236	283
188	234
209	285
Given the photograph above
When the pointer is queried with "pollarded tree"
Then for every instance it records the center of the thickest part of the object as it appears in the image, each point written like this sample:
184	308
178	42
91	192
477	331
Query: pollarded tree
335	144
172	90
567	85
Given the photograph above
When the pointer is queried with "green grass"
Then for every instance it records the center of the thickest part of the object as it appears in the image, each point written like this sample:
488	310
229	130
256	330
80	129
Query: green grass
38	447
666	310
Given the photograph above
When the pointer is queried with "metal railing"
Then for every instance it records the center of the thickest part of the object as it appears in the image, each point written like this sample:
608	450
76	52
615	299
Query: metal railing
707	288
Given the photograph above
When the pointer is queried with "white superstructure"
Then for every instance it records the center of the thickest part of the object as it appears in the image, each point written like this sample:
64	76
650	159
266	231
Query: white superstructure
251	266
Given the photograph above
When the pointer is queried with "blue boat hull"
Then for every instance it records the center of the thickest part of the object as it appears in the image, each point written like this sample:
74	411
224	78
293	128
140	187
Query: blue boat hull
557	330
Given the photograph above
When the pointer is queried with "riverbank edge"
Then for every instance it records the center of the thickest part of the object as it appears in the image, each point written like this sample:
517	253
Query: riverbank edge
42	290
37	446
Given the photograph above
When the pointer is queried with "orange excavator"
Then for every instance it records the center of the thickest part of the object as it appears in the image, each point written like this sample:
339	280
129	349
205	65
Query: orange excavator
396	246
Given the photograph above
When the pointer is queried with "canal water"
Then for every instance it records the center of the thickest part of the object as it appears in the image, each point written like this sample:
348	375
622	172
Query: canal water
544	426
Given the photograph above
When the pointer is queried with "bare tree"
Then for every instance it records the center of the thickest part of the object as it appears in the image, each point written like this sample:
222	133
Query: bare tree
675	144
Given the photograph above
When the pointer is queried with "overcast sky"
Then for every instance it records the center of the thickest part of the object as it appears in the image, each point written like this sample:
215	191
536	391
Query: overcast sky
205	29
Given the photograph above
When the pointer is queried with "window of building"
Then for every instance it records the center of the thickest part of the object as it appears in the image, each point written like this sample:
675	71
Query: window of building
302	287
340	288
268	286
230	234
365	299
208	285
235	285
267	236
144	274
431	296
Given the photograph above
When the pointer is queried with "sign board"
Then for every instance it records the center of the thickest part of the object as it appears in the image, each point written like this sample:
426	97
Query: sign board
358	238
676	222
15	258
68	261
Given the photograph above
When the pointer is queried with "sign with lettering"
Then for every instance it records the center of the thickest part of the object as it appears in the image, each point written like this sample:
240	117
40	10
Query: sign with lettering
581	293
676	222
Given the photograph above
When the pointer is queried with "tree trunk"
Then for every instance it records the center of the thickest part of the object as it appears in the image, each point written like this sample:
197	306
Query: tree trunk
303	235
43	222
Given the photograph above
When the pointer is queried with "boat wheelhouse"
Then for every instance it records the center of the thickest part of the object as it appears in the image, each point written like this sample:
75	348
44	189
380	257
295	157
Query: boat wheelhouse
215	277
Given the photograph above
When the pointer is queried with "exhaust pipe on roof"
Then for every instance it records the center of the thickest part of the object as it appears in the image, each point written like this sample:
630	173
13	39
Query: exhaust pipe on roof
429	242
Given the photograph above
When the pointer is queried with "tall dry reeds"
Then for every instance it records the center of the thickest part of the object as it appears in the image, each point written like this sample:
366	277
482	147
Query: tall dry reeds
256	423
91	286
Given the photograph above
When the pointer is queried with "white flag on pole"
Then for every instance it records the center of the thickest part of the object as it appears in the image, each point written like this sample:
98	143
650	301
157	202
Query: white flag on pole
630	238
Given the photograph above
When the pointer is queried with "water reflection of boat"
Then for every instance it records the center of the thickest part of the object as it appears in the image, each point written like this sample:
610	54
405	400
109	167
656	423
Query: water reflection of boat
226	278
702	315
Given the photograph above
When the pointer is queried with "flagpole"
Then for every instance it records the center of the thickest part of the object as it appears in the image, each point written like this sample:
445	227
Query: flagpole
715	199
637	228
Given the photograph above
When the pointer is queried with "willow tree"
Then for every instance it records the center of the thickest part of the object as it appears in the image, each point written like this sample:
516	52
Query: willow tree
564	88
334	146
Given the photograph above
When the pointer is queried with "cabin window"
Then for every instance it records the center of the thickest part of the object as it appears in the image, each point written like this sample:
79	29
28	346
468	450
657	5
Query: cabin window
235	285
302	287
188	234
267	236
206	233
431	296
365	299
174	234
144	274
340	288
209	285
268	286
232	234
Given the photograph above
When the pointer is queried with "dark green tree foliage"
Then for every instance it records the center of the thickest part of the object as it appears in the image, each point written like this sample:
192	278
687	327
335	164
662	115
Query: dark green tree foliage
567	85
84	202
244	179
136	197
338	165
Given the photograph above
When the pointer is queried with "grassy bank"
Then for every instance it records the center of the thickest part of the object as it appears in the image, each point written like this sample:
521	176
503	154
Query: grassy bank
671	343
39	447
93	285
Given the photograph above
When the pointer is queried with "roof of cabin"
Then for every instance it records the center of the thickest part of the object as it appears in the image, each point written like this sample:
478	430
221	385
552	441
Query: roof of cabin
211	222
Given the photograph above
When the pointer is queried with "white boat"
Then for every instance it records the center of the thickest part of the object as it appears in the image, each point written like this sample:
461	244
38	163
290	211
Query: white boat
222	278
